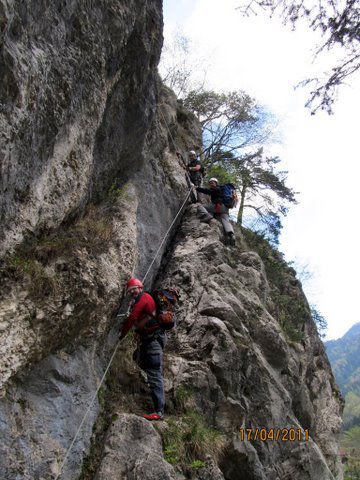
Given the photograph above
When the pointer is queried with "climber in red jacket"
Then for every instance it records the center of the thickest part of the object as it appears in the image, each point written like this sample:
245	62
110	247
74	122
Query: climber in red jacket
149	354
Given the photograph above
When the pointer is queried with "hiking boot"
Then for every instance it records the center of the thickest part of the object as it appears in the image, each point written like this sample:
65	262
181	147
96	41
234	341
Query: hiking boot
231	238
154	416
206	220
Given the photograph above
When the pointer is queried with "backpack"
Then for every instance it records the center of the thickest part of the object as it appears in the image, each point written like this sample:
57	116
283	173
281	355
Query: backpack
228	195
165	300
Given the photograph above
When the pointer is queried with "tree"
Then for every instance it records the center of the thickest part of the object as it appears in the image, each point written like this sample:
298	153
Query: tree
178	66
320	321
230	121
261	187
339	24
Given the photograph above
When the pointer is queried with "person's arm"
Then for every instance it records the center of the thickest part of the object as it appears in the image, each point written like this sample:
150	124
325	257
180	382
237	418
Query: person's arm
131	319
146	305
195	169
207	191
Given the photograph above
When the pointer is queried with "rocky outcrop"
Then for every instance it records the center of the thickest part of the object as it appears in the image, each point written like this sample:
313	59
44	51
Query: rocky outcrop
242	368
76	100
133	449
59	296
90	183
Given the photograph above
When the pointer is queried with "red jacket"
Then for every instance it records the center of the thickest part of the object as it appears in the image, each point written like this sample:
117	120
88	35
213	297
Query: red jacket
141	311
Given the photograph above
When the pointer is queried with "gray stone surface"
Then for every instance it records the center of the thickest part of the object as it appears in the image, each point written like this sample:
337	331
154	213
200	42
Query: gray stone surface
133	451
58	156
244	371
78	115
76	100
42	410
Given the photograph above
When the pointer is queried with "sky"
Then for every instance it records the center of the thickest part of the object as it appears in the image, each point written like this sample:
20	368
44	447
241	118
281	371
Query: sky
266	59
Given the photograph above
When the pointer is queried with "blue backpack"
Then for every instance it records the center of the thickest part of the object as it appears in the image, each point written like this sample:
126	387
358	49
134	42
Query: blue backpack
228	195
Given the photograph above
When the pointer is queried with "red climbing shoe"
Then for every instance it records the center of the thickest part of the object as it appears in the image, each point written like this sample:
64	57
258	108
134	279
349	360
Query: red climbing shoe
153	416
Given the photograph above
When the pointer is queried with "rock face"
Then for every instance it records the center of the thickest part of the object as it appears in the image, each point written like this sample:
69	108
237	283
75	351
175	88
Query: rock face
59	295
76	100
133	449
243	369
90	184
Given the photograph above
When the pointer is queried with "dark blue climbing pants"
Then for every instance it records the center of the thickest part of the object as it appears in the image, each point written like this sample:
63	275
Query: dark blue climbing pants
151	361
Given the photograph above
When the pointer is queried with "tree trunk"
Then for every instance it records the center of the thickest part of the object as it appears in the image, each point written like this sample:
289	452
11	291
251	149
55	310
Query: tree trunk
242	202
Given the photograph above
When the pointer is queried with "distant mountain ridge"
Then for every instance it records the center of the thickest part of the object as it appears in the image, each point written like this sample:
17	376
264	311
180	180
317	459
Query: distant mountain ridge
344	356
354	330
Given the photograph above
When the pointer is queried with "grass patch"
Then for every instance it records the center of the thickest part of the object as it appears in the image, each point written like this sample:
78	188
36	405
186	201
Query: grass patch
287	309
184	399
40	283
187	440
93	231
116	193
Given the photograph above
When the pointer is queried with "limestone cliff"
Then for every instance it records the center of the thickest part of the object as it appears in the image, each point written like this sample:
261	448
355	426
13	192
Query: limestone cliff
90	183
245	355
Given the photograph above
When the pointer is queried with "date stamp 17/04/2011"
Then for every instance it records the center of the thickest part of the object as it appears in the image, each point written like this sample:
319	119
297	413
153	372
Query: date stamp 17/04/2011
274	434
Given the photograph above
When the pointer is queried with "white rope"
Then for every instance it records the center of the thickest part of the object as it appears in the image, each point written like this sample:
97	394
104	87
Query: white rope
116	347
118	343
87	412
166	234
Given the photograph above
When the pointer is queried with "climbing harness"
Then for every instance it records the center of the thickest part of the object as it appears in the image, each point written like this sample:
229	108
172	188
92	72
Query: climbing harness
118	343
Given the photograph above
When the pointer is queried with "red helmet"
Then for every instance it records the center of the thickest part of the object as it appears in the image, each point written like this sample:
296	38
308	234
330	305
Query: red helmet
134	283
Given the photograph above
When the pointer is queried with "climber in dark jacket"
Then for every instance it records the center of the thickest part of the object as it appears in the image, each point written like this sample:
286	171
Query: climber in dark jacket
149	354
194	169
216	208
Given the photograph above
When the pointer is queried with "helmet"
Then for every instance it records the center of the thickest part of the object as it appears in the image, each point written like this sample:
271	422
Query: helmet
214	180
134	283
192	152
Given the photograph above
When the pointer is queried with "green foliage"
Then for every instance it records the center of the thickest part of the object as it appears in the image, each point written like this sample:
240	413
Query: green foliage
351	415
209	106
344	356
230	121
92	231
41	284
262	190
351	437
338	23
184	399
197	464
221	174
115	192
320	321
262	187
352	467
187	440
289	308
29	262
350	444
